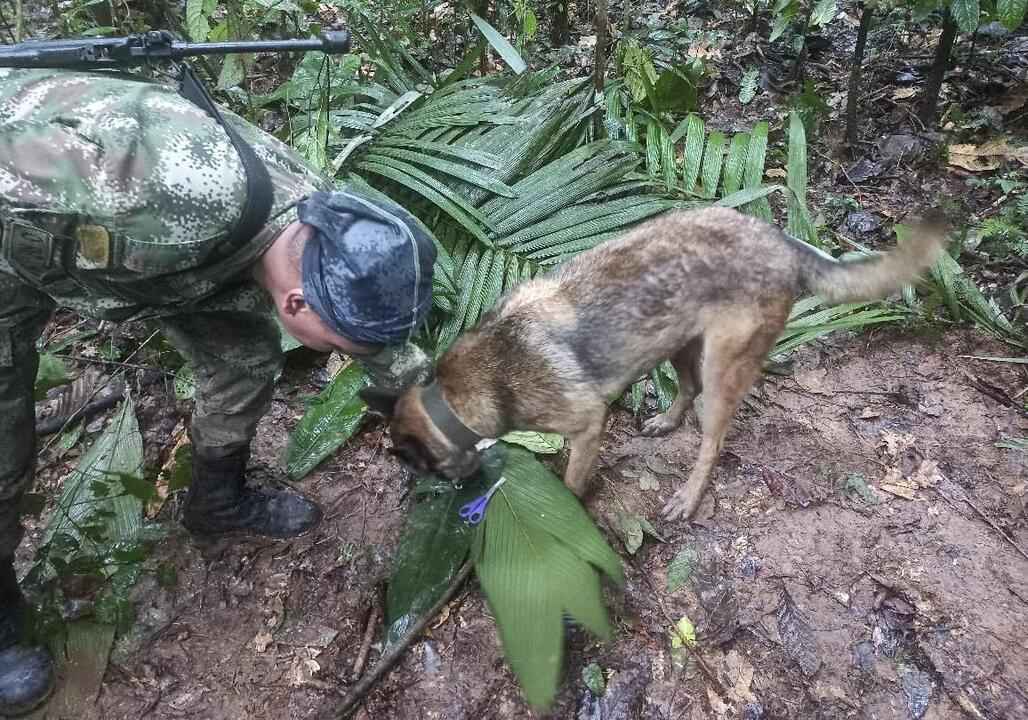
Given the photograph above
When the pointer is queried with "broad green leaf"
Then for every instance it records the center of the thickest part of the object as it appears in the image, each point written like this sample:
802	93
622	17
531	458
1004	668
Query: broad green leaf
748	85
500	44
429	554
232	72
630	529
1011	12
754	173
736	162
742	197
517	574
536	563
693	153
713	157
117	452
1011	443
196	20
331	418
51	373
653	149
592	676
966	13
779	26
185	383
681	568
796	179
70	437
544	502
537	442
823	13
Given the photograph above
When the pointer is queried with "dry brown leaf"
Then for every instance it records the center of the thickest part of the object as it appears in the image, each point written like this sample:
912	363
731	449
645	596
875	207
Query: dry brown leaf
777	173
904	93
899	490
869	414
261	641
987	156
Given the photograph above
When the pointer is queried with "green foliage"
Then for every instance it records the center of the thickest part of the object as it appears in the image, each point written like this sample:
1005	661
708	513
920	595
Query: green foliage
681	568
592	677
1011	12
500	44
185	383
430	552
966	13
539	558
748	86
96	529
331	418
51	373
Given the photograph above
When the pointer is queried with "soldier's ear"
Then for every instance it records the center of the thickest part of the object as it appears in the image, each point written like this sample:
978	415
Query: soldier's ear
380	401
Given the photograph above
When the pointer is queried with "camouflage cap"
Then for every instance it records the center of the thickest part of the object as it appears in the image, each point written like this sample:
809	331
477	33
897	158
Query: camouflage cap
367	270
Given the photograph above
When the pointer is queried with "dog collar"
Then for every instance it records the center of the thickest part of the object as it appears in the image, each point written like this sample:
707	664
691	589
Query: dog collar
440	413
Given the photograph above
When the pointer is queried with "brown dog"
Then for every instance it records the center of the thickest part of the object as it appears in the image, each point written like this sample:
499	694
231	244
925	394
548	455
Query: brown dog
551	355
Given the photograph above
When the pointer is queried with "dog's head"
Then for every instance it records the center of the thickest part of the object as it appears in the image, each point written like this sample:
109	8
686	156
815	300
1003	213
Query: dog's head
417	441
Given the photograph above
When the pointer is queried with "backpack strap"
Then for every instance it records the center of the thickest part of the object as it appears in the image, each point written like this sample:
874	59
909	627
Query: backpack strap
257	206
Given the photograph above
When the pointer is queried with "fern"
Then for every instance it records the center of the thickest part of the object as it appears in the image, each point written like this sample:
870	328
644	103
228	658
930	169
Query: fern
748	86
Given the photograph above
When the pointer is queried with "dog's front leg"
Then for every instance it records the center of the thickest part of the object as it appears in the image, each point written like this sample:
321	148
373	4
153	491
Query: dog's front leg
585	447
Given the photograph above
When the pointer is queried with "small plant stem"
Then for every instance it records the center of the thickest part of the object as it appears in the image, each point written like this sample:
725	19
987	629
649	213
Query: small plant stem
933	85
866	14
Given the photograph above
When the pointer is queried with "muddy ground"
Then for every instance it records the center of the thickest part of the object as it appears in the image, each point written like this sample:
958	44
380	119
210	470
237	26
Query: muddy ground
817	594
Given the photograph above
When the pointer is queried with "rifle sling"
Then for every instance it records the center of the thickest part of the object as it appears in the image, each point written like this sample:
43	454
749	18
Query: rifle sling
257	206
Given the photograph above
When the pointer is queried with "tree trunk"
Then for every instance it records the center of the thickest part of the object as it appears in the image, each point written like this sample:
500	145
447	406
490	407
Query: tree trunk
938	71
482	10
801	56
600	64
559	22
866	14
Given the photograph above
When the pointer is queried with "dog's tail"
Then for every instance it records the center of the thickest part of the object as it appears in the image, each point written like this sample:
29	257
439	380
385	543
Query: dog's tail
869	278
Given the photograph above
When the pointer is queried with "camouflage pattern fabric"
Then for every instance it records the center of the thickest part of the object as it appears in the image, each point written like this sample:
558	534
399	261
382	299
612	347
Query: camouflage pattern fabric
116	199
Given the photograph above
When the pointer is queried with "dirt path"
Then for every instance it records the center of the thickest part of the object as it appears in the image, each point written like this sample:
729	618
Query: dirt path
814	597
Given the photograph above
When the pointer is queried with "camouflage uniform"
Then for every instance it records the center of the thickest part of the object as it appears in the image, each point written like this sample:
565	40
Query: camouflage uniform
116	198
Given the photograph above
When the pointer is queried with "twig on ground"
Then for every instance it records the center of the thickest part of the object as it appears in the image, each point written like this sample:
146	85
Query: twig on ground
369	634
386	662
984	516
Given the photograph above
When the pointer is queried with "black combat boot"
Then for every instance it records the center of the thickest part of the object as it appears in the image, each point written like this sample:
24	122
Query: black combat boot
26	672
218	501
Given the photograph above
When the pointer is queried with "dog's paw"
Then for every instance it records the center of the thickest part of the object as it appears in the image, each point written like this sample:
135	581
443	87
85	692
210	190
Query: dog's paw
659	425
682	504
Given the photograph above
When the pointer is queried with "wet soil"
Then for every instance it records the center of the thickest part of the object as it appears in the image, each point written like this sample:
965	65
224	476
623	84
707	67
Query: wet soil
816	594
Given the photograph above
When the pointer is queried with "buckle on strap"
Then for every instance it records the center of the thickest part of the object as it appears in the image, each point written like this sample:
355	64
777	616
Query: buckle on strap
31	251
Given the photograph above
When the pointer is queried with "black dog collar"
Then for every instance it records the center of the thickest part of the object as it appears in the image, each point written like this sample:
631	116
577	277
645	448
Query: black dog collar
440	413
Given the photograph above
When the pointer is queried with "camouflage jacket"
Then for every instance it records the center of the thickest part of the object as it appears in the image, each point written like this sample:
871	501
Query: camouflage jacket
117	195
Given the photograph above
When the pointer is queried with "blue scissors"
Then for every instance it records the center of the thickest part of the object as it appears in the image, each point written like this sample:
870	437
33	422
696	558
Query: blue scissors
474	511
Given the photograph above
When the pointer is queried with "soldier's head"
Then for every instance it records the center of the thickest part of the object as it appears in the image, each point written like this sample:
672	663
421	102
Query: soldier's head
354	274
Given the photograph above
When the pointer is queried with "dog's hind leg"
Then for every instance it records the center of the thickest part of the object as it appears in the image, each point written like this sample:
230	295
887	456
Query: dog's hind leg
690	384
735	352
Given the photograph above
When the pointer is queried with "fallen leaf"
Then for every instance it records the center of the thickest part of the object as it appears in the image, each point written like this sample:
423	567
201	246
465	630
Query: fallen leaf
869	414
683	633
648	481
261	641
659	465
681	568
592	676
898	489
739	676
987	156
777	173
904	93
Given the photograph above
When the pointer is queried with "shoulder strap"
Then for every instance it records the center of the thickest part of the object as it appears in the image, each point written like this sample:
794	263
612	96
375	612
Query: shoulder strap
257	206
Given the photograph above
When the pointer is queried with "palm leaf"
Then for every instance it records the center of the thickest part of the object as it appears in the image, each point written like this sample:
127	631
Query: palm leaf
694	139
754	174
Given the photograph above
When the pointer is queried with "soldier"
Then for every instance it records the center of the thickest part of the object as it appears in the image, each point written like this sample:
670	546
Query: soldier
122	200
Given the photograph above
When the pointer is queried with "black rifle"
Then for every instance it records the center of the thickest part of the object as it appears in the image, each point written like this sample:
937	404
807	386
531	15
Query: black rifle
163	46
154	45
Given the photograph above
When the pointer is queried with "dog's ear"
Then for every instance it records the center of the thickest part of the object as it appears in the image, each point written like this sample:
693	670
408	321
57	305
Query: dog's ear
380	401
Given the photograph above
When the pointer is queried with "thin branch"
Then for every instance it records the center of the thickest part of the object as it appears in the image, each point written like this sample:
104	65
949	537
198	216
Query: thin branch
386	662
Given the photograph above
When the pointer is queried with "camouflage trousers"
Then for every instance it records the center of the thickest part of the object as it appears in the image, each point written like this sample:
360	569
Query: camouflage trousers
232	344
